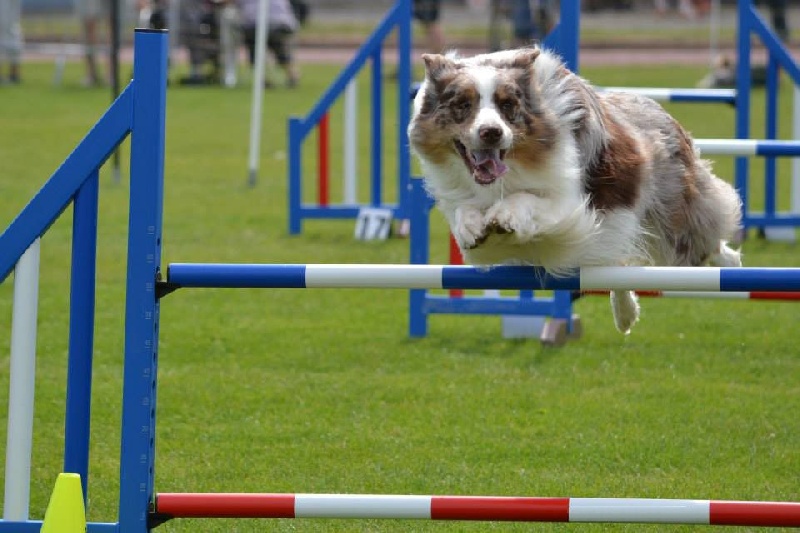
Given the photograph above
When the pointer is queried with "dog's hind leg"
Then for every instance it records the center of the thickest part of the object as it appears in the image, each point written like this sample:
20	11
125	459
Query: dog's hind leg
625	306
725	256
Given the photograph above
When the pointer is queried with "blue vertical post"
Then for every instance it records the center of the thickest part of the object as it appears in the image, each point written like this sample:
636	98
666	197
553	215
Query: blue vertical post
403	107
771	132
418	206
744	29
295	132
569	33
81	331
376	159
151	49
562	307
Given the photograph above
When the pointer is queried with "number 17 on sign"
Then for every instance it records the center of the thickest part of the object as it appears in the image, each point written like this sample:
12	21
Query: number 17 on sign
373	223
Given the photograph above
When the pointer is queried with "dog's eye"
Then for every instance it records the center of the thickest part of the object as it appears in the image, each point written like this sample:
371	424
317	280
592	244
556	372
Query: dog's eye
463	106
507	107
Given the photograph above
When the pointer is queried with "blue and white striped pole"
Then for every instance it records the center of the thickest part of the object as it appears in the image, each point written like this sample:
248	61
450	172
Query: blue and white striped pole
727	96
391	276
748	147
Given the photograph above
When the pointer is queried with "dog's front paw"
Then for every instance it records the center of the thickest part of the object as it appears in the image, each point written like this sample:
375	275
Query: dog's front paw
505	218
469	229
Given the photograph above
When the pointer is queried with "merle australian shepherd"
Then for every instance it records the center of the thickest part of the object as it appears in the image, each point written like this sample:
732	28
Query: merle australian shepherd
531	165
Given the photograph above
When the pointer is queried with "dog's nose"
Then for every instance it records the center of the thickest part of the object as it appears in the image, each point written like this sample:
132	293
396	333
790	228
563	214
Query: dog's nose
490	134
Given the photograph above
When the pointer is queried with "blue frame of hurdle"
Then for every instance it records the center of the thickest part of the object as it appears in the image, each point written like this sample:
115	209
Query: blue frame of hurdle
139	111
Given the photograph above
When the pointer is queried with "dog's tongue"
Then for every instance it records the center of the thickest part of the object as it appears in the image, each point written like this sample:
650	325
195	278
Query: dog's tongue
488	165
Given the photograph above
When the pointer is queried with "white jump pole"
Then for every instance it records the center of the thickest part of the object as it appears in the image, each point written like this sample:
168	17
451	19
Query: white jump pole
795	193
350	142
258	90
21	386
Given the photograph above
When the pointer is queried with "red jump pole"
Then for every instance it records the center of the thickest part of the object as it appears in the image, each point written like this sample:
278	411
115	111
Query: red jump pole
455	259
323	160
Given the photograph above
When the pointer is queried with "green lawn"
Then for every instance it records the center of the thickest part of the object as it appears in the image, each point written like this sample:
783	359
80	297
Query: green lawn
323	391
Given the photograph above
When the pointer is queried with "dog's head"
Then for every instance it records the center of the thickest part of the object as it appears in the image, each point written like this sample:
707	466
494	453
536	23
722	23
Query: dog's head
483	110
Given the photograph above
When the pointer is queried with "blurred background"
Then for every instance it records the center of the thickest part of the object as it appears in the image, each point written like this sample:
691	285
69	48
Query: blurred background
54	28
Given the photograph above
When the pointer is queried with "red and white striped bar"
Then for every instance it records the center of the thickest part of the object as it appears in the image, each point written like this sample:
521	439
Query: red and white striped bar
484	508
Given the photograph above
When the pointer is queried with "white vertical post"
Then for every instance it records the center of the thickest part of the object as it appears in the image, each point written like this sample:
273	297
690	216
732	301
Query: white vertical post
350	142
258	89
174	25
795	193
789	233
21	386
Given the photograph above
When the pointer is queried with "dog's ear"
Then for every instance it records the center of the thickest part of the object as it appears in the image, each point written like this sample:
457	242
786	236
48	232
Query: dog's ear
437	65
525	57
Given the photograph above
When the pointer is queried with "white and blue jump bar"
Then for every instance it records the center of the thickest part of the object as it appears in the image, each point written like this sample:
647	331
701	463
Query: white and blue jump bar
748	147
727	96
388	276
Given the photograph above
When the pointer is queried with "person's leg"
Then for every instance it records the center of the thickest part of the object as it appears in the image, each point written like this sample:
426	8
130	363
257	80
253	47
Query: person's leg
435	36
11	37
249	38
15	50
522	21
280	44
777	10
427	12
89	12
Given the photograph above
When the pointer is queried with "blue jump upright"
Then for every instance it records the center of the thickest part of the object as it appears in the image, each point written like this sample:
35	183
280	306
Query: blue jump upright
751	23
140	112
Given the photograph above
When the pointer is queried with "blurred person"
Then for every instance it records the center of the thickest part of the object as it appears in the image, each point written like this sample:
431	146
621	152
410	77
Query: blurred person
91	13
10	38
777	10
94	15
530	25
153	14
283	25
200	33
688	9
428	14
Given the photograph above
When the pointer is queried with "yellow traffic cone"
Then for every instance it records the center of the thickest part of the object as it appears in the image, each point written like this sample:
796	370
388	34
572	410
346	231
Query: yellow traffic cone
65	512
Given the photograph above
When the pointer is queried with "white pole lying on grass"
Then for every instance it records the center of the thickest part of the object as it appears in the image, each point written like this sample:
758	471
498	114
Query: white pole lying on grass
350	141
21	386
258	90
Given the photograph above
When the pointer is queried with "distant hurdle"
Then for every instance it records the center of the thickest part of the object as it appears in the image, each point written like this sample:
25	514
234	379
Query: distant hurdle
140	111
751	24
300	128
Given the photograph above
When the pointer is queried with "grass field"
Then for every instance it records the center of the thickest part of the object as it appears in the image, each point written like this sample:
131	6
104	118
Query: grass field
323	391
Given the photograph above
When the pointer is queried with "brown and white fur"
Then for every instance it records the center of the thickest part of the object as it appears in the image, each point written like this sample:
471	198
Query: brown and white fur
530	165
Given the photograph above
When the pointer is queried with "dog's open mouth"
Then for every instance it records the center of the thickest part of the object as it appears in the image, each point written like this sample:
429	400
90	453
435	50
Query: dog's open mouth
486	165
